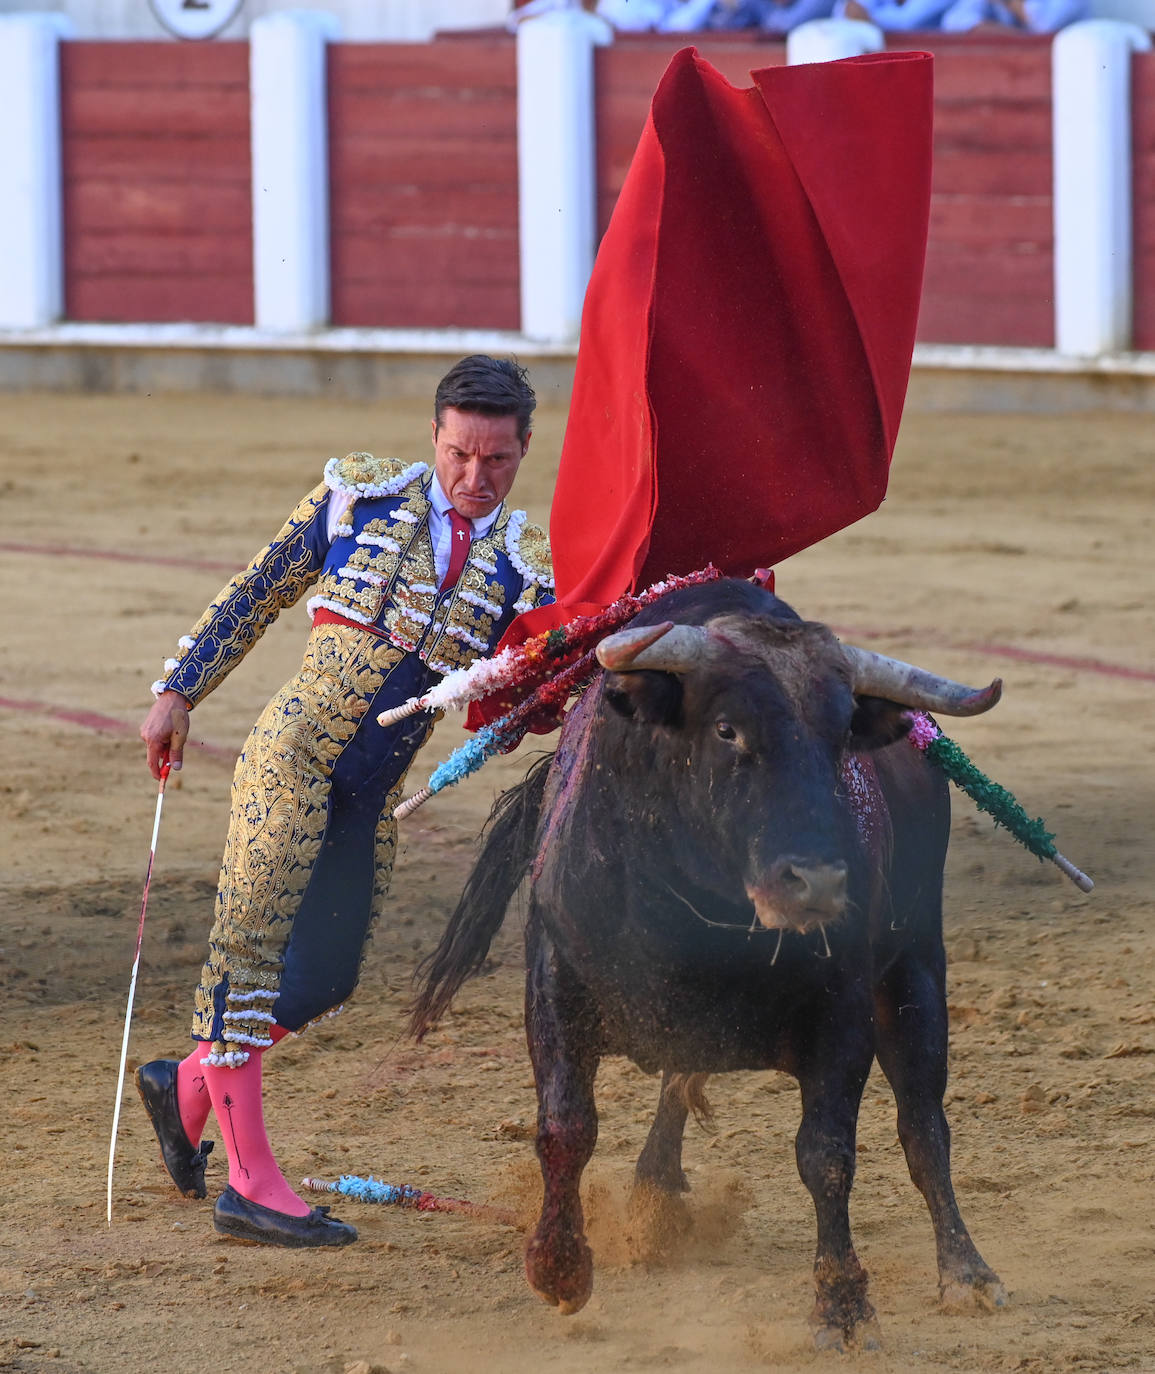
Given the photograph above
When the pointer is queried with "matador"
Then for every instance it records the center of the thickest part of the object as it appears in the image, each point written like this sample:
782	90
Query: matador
415	571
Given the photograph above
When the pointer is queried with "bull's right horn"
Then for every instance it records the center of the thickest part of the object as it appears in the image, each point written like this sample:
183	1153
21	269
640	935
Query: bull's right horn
667	648
875	675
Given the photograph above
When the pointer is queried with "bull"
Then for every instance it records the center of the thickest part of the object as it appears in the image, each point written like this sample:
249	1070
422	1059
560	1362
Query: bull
735	863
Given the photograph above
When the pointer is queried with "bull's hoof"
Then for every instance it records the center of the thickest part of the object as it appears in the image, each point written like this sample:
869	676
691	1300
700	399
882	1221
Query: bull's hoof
865	1336
561	1274
843	1315
972	1293
830	1338
665	1181
658	1223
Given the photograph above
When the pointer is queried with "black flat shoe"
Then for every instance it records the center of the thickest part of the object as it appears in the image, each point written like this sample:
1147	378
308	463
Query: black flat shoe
236	1216
185	1162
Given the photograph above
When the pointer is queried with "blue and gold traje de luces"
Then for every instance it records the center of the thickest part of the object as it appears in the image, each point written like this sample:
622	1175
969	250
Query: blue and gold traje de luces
378	573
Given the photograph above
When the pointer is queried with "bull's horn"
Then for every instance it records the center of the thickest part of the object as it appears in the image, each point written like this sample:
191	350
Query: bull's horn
666	648
875	675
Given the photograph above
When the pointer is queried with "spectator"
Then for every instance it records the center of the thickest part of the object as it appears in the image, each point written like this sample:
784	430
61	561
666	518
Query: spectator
684	16
687	16
535	7
1028	16
780	16
893	15
634	16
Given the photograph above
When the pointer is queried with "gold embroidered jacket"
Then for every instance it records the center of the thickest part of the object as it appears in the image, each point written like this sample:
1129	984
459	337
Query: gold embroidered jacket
378	571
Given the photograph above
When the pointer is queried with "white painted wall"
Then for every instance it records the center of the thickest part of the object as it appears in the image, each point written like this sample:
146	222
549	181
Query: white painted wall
397	20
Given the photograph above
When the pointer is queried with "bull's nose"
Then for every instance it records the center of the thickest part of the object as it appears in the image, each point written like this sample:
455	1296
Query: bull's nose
809	884
800	893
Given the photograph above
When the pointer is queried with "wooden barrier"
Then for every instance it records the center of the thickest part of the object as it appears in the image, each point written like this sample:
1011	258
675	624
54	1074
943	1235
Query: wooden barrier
990	254
1143	205
423	173
157	198
423	178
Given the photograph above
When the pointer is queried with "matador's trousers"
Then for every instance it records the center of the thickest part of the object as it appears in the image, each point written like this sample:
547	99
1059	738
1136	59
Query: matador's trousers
311	841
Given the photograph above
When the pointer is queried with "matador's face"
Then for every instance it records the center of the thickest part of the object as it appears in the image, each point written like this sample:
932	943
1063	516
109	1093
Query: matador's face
476	458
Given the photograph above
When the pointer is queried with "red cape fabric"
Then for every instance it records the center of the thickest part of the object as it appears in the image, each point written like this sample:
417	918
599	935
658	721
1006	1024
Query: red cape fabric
748	326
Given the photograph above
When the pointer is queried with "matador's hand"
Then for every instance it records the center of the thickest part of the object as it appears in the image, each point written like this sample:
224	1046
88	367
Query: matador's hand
165	730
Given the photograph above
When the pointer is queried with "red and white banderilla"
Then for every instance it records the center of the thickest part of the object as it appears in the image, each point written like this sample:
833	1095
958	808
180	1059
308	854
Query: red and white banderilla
164	772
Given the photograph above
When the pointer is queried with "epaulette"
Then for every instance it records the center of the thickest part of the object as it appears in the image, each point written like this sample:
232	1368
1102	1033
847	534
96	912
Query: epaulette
528	549
360	475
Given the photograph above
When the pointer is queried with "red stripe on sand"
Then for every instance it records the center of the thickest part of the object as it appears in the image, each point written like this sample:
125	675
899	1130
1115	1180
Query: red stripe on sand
1081	665
116	556
93	720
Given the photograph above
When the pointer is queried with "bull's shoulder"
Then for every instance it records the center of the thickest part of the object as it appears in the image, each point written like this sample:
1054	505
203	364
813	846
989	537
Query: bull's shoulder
360	475
528	548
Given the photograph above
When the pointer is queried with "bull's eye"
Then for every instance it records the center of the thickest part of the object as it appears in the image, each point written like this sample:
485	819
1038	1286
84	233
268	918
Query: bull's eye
726	731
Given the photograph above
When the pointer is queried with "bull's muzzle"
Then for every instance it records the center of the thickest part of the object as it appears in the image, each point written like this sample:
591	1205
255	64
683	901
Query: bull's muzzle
800	894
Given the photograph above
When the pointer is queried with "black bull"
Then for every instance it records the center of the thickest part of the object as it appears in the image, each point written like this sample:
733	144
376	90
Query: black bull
736	863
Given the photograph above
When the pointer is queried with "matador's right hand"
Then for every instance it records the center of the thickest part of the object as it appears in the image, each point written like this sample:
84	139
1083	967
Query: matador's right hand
164	731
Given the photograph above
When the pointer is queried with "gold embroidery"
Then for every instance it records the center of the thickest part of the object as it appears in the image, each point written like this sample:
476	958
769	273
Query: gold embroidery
247	604
536	554
280	795
366	597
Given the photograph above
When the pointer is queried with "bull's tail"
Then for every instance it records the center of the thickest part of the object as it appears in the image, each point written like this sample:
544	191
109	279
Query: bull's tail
506	854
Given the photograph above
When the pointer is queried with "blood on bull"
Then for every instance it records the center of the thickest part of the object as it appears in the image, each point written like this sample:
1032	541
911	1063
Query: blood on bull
736	863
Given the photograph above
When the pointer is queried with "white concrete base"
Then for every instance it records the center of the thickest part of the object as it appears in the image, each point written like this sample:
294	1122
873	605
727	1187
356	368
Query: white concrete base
371	364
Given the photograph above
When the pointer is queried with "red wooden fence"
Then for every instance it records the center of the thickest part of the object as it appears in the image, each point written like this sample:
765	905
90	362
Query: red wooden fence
423	176
423	172
990	256
1143	205
157	198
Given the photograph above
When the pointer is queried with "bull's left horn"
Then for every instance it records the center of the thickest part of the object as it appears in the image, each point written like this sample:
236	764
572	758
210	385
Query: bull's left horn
666	648
875	675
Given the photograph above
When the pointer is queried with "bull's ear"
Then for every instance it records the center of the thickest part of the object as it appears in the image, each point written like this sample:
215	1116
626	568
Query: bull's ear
877	722
653	698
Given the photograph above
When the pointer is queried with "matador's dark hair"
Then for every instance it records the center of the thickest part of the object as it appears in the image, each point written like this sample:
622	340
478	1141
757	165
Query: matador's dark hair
492	386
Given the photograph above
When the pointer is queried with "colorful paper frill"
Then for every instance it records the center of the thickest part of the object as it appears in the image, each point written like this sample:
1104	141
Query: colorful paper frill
383	1194
551	667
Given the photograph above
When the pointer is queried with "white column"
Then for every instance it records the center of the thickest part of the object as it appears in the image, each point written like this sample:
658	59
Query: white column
31	234
557	174
290	152
1091	93
826	40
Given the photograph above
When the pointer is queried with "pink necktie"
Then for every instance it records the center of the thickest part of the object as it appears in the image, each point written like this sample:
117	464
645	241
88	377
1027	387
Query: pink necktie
459	540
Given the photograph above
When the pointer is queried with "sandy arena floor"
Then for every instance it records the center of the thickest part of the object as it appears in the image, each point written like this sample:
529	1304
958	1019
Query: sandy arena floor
1012	546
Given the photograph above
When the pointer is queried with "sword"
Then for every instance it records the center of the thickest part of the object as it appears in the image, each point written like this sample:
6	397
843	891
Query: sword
164	772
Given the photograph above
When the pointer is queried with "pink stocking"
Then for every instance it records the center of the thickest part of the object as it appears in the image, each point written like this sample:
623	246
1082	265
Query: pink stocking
192	1093
236	1100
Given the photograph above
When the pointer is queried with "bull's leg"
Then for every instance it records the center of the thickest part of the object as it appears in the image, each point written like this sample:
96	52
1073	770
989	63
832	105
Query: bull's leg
660	1163
561	1028
832	1082
911	1026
